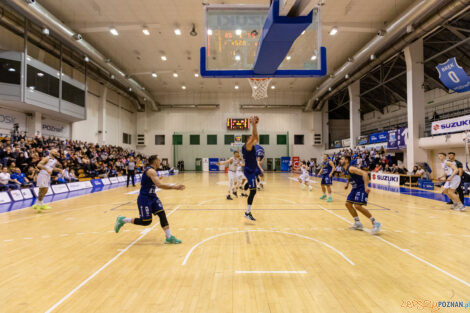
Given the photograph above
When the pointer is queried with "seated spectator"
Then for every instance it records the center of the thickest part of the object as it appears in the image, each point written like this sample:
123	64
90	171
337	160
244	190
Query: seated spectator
21	178
419	171
6	182
387	169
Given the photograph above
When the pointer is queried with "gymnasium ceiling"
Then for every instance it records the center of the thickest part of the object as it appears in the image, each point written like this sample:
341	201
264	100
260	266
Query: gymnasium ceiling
139	55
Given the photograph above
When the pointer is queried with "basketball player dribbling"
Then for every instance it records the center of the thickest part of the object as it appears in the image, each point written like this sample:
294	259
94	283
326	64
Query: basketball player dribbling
46	166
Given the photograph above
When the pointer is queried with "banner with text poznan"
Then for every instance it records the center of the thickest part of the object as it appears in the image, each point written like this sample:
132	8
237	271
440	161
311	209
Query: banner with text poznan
452	125
392	180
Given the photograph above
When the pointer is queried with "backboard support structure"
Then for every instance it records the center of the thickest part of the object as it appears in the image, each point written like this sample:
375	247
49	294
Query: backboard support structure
253	41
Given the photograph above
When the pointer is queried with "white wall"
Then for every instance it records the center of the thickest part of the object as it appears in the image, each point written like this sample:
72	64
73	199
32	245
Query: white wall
87	130
169	121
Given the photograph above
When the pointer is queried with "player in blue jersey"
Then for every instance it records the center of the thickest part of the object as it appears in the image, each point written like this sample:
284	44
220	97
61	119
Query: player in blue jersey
357	198
148	202
260	159
326	172
251	169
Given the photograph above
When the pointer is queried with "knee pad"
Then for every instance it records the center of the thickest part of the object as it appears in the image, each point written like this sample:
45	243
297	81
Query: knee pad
163	219
246	186
251	196
138	221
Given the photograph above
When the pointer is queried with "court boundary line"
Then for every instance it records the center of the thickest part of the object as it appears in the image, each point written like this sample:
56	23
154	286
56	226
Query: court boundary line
270	272
186	258
406	251
83	283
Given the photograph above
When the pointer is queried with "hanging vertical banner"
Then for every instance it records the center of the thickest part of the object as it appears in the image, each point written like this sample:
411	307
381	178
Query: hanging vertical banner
392	140
453	76
402	137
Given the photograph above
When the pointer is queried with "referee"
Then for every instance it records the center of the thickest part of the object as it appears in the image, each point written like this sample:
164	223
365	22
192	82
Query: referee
130	171
459	166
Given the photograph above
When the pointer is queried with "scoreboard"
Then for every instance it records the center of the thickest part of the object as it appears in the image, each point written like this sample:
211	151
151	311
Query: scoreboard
237	124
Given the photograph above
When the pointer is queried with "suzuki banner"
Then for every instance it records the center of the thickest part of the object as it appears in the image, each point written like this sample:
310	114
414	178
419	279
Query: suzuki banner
392	180
452	125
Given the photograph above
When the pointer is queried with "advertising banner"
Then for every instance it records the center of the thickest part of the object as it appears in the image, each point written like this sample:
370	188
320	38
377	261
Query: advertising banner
392	180
452	125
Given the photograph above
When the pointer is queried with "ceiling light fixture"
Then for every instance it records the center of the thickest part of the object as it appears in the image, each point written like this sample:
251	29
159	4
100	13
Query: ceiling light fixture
273	87
303	33
146	31
236	87
196	75
45	31
238	32
163	57
154	75
237	57
40	74
346	76
209	32
11	69
314	57
175	75
183	87
372	57
86	59
114	31
288	57
333	31
112	76
177	32
130	89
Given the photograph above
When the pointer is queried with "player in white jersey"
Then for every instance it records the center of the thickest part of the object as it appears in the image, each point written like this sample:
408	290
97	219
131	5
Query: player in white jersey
240	178
304	177
46	166
452	181
233	164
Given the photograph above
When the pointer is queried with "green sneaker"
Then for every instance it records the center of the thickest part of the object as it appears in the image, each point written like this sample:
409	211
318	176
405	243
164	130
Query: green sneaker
37	207
330	199
119	223
45	207
323	197
172	240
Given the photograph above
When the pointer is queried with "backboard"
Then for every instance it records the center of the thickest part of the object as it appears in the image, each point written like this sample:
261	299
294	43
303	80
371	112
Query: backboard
245	40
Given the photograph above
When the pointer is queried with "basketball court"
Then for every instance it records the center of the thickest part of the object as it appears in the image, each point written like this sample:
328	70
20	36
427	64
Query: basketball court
376	93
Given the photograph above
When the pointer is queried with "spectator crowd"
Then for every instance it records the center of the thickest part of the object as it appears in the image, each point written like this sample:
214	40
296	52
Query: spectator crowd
78	159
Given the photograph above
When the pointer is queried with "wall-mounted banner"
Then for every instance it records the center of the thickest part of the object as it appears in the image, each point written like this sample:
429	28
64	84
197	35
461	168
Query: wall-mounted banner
285	164
295	163
362	140
9	118
385	179
402	137
452	125
392	142
55	128
337	144
378	137
453	76
346	142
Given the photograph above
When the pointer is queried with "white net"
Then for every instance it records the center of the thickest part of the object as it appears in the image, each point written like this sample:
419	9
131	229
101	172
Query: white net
259	87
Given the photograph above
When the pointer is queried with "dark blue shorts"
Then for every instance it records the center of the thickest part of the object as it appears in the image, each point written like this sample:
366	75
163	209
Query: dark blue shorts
326	180
251	178
358	196
148	206
259	173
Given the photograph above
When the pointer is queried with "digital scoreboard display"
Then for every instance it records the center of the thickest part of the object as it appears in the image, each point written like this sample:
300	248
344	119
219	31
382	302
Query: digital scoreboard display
237	124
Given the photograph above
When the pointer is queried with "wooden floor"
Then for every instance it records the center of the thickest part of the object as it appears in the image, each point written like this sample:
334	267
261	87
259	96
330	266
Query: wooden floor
299	256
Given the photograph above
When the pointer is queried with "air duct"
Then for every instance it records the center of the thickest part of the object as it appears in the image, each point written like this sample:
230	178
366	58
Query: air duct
38	14
396	29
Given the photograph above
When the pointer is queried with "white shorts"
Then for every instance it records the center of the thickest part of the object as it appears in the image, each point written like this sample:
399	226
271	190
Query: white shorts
240	176
453	184
304	178
44	180
231	177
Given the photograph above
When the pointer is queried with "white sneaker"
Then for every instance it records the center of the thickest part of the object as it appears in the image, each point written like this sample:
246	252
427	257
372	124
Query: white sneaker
303	186
462	208
310	188
357	226
455	207
376	228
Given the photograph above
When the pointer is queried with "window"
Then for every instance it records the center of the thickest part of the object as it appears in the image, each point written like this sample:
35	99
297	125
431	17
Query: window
42	82
228	139
159	139
194	139
245	138
211	139
73	94
126	138
177	140
298	139
10	71
264	139
282	139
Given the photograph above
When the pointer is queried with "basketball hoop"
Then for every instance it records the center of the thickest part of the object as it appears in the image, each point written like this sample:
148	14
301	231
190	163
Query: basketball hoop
259	86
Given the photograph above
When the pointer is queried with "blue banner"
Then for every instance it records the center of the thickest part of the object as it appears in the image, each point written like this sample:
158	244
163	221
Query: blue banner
96	182
285	164
213	167
402	137
392	142
362	140
453	76
337	143
378	137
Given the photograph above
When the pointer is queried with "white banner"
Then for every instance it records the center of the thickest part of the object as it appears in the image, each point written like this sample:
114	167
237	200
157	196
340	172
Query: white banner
8	118
49	191
4	197
346	142
55	128
16	195
60	188
451	125
74	186
86	184
392	180
113	180
27	194
121	179
105	181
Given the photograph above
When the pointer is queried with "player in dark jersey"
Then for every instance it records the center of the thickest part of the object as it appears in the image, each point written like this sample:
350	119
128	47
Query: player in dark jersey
326	172
357	198
148	202
251	169
260	159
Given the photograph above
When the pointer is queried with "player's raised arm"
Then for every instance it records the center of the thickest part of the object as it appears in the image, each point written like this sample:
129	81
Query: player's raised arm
225	162
254	137
154	177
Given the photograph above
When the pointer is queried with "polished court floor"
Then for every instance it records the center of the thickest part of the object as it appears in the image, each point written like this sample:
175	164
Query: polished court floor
299	256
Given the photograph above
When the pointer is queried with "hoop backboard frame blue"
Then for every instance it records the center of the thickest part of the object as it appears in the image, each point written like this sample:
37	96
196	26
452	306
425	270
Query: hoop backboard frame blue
263	56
